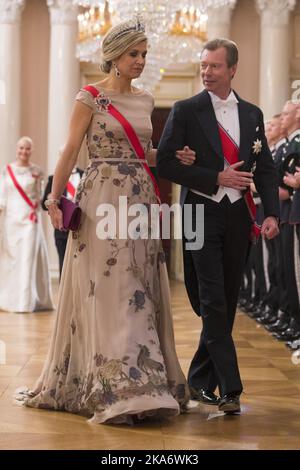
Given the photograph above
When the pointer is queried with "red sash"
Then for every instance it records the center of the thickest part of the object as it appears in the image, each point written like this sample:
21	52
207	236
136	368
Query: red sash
231	155
131	136
33	205
71	189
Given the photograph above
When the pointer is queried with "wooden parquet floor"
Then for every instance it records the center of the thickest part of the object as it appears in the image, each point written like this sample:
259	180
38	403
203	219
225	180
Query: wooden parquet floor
270	416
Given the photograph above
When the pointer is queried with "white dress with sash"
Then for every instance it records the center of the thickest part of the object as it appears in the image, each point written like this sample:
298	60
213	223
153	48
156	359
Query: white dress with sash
24	271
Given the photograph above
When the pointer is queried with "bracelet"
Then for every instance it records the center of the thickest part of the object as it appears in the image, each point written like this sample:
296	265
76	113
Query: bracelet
50	202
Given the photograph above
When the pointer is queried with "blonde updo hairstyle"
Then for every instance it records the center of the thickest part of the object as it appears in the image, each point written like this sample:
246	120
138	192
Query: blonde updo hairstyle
118	39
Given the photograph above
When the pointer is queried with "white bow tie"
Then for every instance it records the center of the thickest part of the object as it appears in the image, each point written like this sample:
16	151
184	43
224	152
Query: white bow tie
229	102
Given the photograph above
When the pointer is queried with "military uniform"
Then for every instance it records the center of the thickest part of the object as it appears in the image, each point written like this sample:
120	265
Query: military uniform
290	220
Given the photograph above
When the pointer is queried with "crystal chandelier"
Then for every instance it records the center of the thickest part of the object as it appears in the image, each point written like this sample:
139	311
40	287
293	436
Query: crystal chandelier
176	30
187	34
189	21
93	24
203	5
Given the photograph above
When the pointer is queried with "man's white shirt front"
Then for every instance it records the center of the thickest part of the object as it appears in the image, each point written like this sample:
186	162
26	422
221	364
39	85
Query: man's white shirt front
227	115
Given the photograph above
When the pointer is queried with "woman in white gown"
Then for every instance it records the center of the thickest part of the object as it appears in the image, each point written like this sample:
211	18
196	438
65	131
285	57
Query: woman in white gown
112	355
24	273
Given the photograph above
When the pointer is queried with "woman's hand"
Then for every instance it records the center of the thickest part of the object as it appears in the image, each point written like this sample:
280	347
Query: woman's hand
186	156
56	216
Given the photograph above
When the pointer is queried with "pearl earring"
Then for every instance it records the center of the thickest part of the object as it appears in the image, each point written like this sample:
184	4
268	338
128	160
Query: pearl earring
117	71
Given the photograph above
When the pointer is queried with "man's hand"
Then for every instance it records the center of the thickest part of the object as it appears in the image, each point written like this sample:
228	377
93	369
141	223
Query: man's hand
269	228
297	176
231	178
293	180
186	156
290	180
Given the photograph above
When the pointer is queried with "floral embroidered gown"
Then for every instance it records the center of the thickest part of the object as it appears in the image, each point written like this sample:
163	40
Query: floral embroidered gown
112	354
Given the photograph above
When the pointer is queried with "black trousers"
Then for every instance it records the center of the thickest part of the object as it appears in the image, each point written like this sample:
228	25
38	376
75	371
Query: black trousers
260	279
293	309
61	244
290	238
275	295
249	288
219	267
282	241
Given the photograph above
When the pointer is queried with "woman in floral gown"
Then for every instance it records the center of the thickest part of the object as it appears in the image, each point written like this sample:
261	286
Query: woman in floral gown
112	355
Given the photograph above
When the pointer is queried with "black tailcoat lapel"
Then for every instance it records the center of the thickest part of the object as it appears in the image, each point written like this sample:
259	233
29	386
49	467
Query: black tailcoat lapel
207	119
206	116
247	129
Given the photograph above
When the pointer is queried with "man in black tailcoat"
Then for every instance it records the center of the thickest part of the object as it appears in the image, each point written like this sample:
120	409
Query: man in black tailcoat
211	123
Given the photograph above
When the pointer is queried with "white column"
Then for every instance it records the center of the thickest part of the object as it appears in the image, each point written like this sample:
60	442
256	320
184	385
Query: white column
64	79
64	75
10	78
274	56
219	21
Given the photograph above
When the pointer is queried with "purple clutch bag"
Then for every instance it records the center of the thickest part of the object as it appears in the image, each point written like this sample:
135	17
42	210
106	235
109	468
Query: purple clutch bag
71	213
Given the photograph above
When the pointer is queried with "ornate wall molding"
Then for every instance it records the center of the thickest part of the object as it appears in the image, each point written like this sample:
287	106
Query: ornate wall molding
275	12
221	15
10	11
62	11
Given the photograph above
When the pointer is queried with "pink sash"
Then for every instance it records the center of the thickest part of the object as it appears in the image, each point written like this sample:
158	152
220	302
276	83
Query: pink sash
33	205
131	136
231	155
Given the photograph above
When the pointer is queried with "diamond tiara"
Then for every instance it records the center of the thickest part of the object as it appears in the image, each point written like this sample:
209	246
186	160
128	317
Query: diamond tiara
125	27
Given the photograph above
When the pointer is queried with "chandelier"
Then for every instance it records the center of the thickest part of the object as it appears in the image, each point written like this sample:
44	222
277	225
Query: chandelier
176	30
187	34
93	24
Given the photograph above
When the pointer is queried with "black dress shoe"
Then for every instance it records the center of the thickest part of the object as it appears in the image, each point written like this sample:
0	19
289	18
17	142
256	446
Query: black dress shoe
293	345
204	396
268	318
290	334
280	325
230	403
242	302
249	307
255	314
